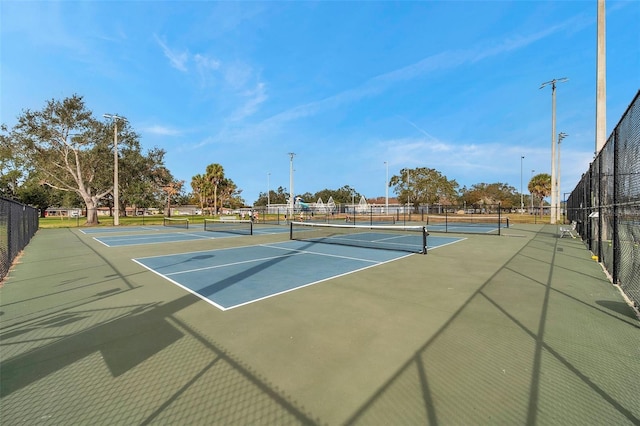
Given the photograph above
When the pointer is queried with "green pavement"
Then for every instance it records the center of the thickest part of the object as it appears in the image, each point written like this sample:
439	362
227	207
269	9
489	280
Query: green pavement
523	328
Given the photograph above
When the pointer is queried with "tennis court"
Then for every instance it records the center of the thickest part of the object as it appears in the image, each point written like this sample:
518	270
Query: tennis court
233	277
162	234
522	328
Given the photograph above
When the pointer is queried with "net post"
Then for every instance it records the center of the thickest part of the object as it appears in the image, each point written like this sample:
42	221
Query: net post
424	240
251	227
291	230
446	222
499	218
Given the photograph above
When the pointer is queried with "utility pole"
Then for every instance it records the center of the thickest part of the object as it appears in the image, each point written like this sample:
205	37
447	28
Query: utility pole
554	201
116	199
386	190
521	191
561	136
291	200
601	80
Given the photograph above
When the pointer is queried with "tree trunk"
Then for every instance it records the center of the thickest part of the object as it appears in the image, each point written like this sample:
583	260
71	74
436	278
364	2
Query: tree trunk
541	207
92	210
215	199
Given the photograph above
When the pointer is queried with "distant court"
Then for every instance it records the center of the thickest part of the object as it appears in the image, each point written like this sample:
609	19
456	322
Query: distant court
138	235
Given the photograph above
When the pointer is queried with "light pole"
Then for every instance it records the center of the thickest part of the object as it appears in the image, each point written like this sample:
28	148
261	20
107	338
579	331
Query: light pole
554	201
408	191
601	80
291	200
386	190
521	192
268	191
530	194
116	199
561	136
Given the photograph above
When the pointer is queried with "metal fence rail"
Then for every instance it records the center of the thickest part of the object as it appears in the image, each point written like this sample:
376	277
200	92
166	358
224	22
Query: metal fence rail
439	218
606	204
18	223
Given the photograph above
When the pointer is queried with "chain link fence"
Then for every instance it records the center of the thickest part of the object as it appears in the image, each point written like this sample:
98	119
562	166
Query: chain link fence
485	218
18	223
606	204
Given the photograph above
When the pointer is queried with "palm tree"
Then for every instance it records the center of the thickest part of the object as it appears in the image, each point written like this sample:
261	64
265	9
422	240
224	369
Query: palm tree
540	186
215	175
198	184
172	189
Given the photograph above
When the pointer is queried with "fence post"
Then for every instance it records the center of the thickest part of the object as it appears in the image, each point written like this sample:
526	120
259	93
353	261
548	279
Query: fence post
615	238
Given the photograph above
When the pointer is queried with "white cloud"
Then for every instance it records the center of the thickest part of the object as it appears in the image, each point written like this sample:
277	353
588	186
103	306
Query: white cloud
178	60
237	75
161	130
254	98
206	63
443	60
207	68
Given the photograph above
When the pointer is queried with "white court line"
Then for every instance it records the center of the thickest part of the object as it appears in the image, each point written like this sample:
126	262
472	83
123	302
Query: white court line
325	254
458	239
91	231
315	282
230	264
295	252
155	239
101	242
211	302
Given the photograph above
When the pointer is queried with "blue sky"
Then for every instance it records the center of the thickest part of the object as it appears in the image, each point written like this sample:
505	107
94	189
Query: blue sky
346	86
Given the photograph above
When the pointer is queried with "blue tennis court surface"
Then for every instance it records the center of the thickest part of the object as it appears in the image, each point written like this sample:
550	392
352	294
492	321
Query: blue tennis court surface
129	237
121	229
229	278
464	228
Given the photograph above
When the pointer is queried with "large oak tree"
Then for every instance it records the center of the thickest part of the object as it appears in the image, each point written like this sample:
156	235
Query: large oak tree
72	151
423	185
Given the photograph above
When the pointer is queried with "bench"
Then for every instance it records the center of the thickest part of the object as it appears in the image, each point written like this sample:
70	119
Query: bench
568	230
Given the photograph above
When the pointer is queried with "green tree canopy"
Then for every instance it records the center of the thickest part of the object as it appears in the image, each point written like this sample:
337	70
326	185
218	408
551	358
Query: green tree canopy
540	187
229	194
484	194
215	175
279	196
343	195
11	167
142	177
199	186
424	185
73	152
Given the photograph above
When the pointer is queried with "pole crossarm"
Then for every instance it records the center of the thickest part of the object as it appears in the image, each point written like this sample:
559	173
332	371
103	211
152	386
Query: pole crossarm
553	82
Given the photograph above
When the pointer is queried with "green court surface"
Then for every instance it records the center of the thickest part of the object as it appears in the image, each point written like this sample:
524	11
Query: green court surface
522	328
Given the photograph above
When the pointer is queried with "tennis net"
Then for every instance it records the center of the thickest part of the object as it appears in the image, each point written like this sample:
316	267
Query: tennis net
411	239
232	226
455	223
174	222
